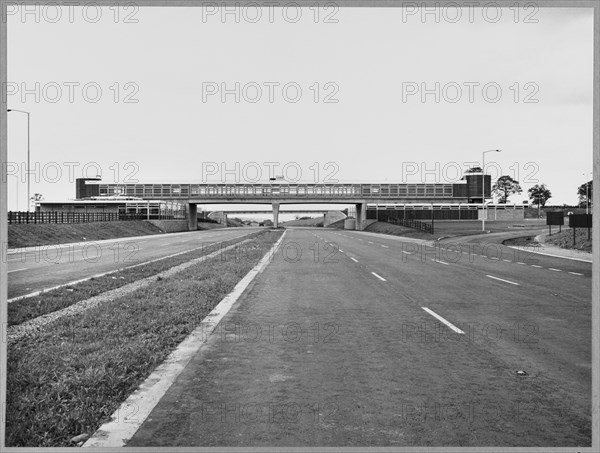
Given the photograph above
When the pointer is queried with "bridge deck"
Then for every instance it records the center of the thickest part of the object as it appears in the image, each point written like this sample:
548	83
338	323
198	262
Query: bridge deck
273	192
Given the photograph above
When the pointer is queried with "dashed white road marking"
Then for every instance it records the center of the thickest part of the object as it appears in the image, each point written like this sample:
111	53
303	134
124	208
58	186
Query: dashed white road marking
370	242
518	262
448	323
502	280
575	273
508	261
379	277
408	253
354	259
441	262
385	246
535	265
340	250
555	270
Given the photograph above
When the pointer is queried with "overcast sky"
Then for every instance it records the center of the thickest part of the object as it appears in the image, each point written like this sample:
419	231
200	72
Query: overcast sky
374	62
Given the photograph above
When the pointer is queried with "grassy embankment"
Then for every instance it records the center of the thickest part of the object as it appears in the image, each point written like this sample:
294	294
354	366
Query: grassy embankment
69	378
445	228
29	235
564	239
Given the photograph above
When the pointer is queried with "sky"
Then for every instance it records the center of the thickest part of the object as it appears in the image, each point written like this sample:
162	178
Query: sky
351	94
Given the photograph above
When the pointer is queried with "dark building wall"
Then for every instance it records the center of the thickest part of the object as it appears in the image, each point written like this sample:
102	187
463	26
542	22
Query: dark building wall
83	190
474	187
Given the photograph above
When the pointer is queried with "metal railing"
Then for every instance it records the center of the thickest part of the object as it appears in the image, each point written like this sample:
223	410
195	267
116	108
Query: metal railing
412	223
16	217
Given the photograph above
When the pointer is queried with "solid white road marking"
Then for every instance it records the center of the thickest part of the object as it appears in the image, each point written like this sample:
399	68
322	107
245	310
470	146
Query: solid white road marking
449	324
575	273
354	259
379	277
17	270
555	270
502	280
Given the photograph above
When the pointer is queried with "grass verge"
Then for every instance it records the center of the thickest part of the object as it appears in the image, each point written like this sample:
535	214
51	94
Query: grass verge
69	379
564	239
31	235
23	310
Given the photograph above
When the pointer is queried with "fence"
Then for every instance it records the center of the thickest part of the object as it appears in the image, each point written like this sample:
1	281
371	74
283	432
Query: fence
411	223
80	217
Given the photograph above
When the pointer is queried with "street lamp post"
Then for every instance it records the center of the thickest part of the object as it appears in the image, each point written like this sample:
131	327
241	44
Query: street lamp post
28	154
587	197
483	211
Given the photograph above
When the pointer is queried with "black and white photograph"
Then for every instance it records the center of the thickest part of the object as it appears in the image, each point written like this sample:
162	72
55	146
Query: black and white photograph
294	226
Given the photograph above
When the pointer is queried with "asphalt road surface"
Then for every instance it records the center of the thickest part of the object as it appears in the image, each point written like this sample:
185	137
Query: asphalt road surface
35	269
378	341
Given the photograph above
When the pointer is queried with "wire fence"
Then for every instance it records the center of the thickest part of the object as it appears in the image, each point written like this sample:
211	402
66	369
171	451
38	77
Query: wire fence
412	223
22	217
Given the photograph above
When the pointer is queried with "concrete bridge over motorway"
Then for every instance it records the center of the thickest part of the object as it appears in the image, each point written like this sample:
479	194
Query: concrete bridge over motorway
277	193
329	215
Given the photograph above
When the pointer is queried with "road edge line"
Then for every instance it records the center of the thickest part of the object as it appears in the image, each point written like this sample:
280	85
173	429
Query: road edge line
116	433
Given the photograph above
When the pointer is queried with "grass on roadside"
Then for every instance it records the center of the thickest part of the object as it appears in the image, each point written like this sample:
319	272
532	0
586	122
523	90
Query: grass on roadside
69	379
32	234
23	310
564	239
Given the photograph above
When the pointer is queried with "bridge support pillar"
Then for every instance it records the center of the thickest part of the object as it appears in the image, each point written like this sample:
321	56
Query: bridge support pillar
360	213
192	213
276	215
225	219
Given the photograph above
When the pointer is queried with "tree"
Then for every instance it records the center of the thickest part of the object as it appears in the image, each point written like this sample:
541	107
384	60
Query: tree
539	194
474	170
505	187
583	199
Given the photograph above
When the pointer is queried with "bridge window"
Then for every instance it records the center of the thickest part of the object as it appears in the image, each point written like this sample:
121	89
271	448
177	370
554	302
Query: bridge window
420	190
411	190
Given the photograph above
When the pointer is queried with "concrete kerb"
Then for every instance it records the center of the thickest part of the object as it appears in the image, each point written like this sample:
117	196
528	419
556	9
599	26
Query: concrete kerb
140	403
